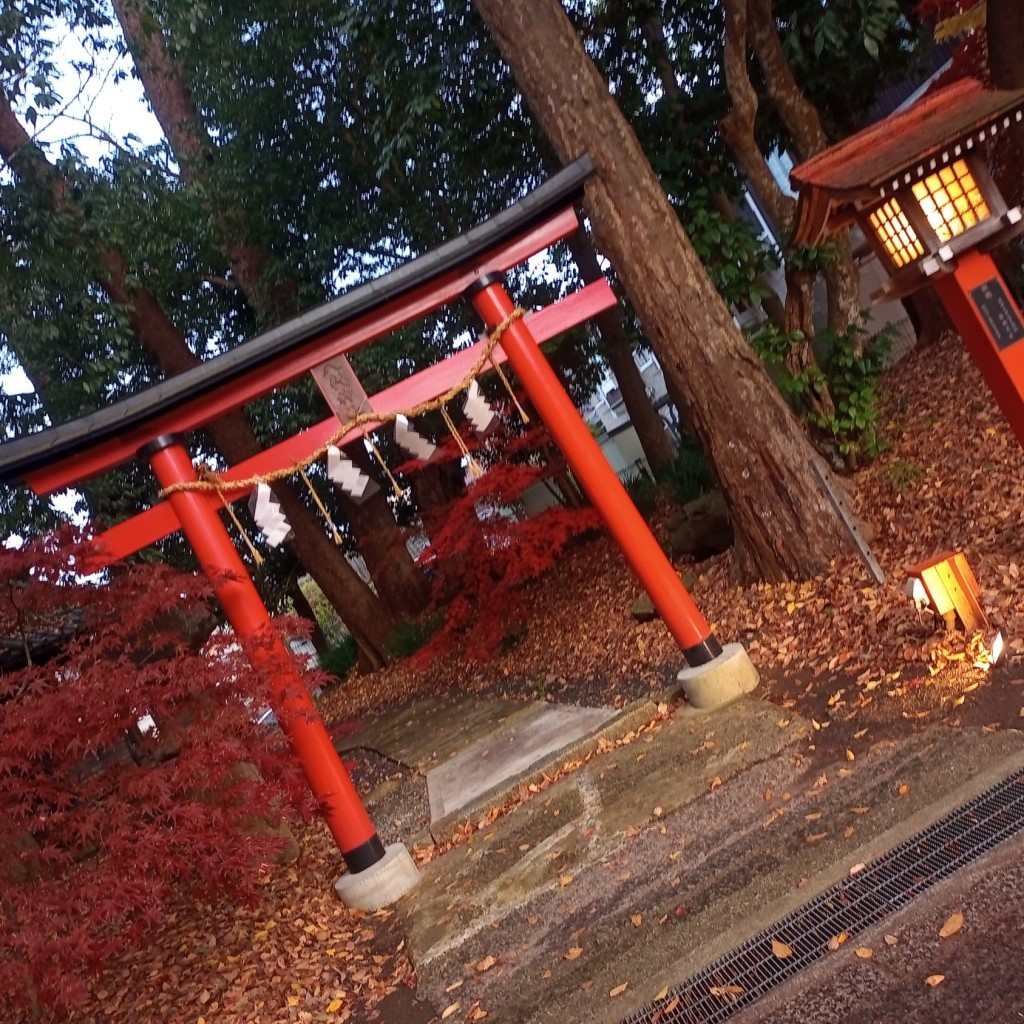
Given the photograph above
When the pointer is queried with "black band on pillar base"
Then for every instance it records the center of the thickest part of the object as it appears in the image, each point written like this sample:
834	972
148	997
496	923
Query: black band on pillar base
700	654
158	444
484	281
365	855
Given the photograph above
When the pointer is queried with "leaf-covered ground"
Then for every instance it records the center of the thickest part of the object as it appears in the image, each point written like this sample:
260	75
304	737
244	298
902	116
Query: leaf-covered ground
853	656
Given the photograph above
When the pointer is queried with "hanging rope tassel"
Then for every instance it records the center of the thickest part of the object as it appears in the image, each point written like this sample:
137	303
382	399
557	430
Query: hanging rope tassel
474	467
508	388
383	465
338	539
256	556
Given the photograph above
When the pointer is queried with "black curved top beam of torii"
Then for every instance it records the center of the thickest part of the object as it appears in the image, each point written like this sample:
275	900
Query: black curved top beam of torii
63	455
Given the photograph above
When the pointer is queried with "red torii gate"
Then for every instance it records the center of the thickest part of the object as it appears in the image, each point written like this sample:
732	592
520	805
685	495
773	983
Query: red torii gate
149	425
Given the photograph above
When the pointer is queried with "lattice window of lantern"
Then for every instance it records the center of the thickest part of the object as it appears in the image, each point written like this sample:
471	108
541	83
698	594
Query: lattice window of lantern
951	200
896	233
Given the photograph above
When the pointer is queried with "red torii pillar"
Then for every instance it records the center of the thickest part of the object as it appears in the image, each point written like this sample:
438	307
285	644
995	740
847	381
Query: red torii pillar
713	676
339	802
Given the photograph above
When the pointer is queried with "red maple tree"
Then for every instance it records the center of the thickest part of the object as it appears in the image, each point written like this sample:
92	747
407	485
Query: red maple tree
486	547
103	822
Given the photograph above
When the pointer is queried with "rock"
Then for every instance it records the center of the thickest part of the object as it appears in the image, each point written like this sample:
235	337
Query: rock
701	528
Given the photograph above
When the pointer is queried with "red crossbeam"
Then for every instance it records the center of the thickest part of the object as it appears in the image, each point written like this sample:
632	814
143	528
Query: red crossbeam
159	521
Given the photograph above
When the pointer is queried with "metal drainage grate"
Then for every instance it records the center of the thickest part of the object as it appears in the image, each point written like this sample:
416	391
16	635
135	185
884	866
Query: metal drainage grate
852	905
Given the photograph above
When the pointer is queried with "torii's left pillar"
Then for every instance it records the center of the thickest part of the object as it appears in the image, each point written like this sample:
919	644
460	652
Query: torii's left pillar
377	875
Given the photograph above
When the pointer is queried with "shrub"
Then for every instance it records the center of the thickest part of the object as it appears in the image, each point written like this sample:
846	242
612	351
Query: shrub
101	823
341	657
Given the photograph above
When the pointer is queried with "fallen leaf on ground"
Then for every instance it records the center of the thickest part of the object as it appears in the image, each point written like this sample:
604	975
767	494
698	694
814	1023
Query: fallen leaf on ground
850	756
565	880
619	989
864	952
837	940
449	1010
780	949
334	1005
454	985
661	995
532	919
816	837
891	940
903	790
953	924
714	783
934	979
573	953
486	964
636	920
726	990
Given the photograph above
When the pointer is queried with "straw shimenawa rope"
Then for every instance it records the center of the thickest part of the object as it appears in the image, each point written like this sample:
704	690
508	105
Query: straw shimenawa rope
211	481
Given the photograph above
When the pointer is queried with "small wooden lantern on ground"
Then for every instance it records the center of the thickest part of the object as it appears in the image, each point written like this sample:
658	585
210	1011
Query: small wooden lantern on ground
918	184
946	584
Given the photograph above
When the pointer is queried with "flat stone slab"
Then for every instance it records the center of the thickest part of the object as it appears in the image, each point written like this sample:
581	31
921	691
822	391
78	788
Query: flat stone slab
520	743
432	731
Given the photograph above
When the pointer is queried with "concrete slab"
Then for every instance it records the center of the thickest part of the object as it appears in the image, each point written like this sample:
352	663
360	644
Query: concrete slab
519	743
661	855
433	730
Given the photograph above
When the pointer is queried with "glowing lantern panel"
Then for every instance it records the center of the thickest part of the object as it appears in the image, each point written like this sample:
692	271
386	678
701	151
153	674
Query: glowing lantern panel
897	233
951	200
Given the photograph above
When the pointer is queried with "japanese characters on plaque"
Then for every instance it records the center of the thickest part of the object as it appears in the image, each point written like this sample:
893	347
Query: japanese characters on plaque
999	312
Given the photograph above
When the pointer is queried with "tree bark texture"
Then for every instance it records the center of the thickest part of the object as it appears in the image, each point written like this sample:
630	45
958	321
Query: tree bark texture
784	525
1004	29
364	614
751	22
649	426
399	583
661	55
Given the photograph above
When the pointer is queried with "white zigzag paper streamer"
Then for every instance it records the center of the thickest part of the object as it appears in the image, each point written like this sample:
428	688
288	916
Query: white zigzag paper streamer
477	410
415	444
266	511
348	476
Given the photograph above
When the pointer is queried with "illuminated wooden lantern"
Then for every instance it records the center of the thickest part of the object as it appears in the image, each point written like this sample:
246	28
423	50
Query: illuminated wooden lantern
947	586
918	184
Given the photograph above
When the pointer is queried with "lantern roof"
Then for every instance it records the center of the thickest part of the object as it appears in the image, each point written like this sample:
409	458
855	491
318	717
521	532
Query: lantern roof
892	153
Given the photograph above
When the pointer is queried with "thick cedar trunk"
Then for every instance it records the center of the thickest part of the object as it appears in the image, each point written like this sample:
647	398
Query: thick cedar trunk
784	525
649	426
398	582
364	614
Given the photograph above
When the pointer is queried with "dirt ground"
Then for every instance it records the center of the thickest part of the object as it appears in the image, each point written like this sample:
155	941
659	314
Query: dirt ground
854	657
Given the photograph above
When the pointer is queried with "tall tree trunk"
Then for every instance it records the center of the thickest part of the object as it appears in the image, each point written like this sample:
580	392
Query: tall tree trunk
784	525
751	21
661	54
364	614
649	426
1004	29
399	583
